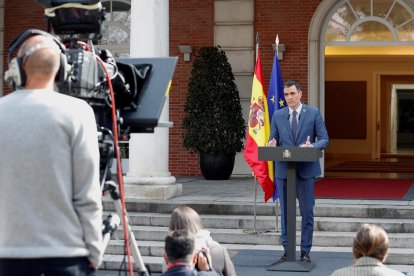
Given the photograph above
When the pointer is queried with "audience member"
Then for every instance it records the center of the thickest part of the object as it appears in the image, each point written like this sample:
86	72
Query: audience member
186	218
181	256
370	250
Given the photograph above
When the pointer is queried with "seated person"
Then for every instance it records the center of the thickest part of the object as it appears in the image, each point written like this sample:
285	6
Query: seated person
370	250
187	219
181	256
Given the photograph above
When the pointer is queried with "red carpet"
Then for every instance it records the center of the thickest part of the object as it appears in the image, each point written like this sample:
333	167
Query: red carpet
364	188
397	165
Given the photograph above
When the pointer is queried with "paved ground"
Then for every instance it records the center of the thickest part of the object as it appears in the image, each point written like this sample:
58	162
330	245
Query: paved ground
255	262
243	189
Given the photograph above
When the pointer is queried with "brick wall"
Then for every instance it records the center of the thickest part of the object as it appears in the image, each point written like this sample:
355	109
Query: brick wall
19	16
291	20
191	23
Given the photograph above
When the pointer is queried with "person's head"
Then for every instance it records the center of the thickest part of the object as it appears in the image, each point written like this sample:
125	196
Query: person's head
185	218
292	92
40	59
371	241
179	247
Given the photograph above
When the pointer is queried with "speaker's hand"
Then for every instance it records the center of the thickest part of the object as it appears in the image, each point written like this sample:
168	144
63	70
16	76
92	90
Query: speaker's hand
307	144
272	143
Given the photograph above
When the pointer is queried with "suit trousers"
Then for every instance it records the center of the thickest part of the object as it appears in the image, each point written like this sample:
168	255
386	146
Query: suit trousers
306	196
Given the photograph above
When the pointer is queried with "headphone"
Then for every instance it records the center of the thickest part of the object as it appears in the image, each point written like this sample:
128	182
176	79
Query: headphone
16	76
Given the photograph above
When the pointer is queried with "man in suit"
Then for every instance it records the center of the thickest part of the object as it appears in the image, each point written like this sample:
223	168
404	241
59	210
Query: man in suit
298	125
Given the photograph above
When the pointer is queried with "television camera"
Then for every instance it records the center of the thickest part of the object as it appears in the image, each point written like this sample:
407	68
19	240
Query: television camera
127	95
139	85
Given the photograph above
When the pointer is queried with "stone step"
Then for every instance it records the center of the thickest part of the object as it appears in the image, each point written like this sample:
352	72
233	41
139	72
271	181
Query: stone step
241	236
116	262
231	224
268	223
397	256
324	208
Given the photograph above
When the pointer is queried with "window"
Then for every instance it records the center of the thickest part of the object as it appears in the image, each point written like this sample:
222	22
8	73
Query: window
371	21
116	27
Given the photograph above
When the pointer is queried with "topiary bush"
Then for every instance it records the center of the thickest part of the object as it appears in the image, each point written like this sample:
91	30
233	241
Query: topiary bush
213	121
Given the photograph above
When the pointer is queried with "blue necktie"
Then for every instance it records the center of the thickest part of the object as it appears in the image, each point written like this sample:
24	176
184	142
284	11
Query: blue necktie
294	124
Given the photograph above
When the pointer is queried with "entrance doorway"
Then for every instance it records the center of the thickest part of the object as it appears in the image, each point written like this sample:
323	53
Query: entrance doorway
402	119
345	49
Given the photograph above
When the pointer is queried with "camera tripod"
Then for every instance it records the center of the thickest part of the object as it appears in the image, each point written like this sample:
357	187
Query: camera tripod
108	186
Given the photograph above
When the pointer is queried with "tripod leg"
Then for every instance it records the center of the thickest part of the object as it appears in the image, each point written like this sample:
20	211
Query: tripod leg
139	262
109	225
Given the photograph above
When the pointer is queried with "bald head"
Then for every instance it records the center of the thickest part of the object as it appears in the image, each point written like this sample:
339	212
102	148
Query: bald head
41	58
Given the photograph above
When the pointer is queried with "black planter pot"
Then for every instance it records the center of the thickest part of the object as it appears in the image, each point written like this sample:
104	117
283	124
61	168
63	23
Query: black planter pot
216	166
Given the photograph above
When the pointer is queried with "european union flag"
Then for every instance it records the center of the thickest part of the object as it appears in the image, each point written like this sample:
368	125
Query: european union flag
275	97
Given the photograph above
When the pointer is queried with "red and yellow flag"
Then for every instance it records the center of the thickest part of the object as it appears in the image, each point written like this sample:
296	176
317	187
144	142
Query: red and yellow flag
259	131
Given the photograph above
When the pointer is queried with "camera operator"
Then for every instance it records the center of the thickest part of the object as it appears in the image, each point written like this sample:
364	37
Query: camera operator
50	197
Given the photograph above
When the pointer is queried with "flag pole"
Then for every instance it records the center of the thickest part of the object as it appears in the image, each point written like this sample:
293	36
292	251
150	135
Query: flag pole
255	202
277	45
257	45
274	177
255	179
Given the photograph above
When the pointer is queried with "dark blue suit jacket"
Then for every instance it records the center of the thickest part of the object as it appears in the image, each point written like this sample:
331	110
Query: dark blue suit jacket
310	124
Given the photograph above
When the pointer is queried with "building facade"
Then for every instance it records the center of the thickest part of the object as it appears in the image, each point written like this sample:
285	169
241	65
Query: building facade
354	59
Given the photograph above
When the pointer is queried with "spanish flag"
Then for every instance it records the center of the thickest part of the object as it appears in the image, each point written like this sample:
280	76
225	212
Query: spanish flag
259	131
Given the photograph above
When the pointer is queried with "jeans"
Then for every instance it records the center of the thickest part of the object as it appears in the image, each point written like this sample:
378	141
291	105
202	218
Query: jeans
78	266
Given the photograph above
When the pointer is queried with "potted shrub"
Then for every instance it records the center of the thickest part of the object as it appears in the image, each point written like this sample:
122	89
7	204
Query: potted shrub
213	123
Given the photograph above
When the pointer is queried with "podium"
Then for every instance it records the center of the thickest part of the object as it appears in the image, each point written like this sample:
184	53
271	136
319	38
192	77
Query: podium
291	155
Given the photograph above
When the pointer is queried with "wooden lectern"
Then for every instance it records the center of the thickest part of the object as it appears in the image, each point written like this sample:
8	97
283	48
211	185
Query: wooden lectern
291	155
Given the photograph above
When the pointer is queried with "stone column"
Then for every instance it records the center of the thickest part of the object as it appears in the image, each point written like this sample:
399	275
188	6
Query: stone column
148	176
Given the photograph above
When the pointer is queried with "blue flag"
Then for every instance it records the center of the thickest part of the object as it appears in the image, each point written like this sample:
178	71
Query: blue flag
275	98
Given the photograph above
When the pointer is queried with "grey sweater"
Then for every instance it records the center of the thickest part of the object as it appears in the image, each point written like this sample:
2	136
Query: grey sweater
50	198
